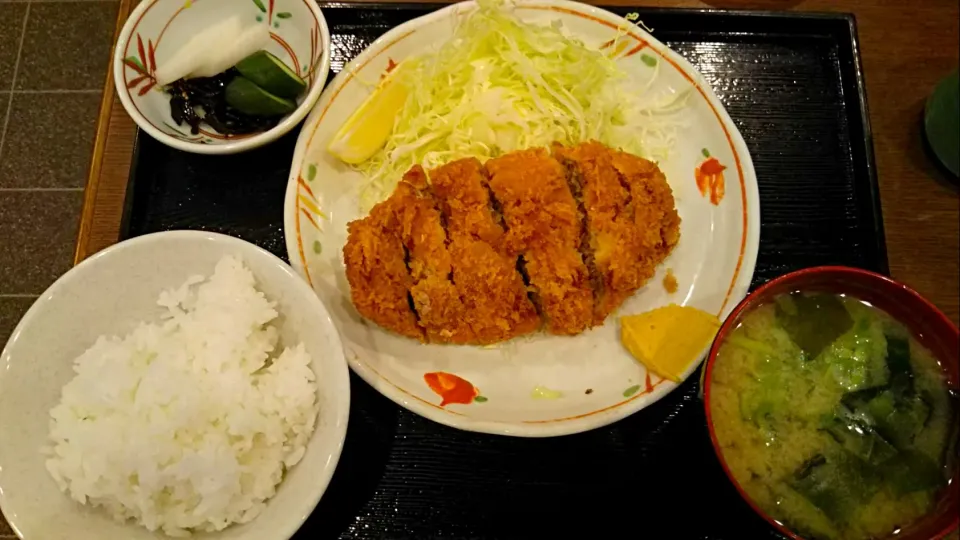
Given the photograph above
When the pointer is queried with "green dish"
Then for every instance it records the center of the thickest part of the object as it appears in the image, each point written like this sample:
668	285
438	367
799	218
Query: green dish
942	122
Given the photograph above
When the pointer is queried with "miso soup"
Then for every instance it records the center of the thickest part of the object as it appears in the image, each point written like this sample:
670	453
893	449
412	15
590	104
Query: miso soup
832	418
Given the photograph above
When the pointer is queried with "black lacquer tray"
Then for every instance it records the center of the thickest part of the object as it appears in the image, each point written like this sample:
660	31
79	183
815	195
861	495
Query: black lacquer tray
792	84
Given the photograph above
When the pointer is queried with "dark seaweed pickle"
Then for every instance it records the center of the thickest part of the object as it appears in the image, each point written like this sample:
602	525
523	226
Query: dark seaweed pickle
207	95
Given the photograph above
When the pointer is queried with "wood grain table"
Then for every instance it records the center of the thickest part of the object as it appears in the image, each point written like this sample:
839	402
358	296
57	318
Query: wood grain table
906	47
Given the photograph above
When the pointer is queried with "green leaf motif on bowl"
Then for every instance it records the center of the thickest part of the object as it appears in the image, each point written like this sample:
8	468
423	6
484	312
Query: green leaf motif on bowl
136	61
631	391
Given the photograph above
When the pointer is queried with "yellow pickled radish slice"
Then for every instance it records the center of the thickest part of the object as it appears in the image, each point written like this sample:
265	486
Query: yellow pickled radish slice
667	340
368	128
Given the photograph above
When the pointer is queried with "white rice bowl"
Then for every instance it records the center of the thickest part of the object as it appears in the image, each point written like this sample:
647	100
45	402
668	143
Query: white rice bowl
189	423
223	415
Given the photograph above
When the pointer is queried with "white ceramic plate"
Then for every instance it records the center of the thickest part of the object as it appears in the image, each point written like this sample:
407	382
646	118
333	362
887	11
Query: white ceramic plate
492	390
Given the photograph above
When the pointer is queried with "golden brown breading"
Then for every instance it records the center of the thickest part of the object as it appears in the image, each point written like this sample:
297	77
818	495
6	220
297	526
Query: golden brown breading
378	277
654	209
612	240
421	230
460	191
630	214
543	226
493	292
446	261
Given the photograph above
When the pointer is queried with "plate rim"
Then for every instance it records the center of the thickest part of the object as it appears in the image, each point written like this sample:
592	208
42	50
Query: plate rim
739	286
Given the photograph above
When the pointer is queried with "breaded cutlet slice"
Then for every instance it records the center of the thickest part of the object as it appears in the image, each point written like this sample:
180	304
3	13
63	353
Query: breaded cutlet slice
435	297
654	211
611	243
543	225
377	273
493	292
463	197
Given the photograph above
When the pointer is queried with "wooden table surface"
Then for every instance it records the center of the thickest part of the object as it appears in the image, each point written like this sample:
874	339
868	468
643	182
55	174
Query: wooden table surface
906	47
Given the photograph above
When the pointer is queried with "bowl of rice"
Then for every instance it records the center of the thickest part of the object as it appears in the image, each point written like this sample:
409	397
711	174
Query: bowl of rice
182	383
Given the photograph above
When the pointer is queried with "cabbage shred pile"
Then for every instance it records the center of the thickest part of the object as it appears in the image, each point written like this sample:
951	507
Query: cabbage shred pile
500	85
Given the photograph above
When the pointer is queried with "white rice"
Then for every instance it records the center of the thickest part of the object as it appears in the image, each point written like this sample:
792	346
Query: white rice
179	425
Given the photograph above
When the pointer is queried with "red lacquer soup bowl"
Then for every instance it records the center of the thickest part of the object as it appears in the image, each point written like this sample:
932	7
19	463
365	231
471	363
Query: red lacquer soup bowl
929	326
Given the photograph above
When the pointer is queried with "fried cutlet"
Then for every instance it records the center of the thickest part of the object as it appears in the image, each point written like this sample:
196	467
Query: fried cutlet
654	211
460	189
493	292
544	228
618	245
483	253
378	276
435	298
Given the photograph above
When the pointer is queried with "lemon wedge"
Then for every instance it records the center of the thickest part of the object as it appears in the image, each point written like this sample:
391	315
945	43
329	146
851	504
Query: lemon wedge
368	128
668	339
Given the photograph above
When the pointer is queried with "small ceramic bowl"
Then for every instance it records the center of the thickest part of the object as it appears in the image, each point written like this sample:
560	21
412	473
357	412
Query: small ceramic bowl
157	28
108	294
929	326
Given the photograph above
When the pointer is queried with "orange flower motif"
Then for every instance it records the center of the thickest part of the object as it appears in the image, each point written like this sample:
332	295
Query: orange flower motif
391	65
710	180
450	388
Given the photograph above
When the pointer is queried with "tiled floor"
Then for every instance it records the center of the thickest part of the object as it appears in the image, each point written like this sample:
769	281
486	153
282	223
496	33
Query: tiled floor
53	59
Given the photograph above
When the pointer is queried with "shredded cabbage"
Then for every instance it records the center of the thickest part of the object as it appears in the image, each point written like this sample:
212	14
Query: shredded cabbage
500	85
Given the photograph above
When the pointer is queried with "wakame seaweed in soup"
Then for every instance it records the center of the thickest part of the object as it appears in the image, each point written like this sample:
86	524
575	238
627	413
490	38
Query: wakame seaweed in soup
832	418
